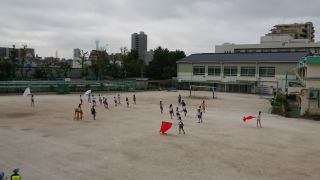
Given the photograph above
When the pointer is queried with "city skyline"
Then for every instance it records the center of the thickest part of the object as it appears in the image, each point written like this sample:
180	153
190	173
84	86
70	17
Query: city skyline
191	26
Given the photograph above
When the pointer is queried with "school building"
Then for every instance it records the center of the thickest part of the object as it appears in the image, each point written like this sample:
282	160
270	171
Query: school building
260	72
308	86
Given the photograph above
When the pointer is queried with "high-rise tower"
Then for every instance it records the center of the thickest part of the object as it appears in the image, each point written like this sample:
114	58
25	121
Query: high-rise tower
139	43
97	44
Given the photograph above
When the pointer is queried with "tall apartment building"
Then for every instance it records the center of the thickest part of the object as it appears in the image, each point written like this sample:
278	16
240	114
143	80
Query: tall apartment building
296	30
274	42
76	53
139	43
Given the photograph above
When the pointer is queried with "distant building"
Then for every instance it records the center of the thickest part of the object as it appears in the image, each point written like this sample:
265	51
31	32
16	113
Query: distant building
5	52
240	72
295	30
283	43
76	53
76	59
116	58
282	38
307	86
148	56
139	43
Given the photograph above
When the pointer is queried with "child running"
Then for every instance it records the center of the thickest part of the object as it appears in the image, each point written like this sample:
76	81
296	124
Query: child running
100	99
184	109
93	112
93	100
181	126
105	103
161	107
199	115
171	111
115	101
177	112
127	100
134	99
203	107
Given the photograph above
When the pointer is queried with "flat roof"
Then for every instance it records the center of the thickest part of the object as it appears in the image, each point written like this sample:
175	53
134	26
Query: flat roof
246	57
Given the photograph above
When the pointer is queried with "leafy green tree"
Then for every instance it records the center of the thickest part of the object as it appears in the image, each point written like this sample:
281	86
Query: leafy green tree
22	61
5	69
81	61
85	71
65	68
103	62
132	65
43	71
163	65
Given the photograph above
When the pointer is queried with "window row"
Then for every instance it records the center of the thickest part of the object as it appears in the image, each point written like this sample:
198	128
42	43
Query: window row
249	71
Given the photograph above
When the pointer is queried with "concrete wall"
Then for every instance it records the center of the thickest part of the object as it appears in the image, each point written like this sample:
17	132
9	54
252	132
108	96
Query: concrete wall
306	104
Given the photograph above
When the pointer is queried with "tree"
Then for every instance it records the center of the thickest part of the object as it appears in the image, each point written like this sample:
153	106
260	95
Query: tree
64	68
132	65
5	69
42	71
103	62
81	61
163	65
22	59
13	59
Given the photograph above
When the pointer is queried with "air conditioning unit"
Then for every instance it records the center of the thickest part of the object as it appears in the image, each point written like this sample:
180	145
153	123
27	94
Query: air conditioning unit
313	94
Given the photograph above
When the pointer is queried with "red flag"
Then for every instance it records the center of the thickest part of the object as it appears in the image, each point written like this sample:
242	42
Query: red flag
165	126
247	118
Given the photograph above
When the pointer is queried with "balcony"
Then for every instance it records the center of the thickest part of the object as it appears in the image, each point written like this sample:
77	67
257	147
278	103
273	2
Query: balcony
294	88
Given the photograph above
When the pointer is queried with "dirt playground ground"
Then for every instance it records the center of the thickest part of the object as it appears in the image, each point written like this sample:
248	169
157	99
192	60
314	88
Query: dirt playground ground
124	143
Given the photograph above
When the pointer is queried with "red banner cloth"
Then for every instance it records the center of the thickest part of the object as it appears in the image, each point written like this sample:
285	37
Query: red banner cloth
247	118
165	126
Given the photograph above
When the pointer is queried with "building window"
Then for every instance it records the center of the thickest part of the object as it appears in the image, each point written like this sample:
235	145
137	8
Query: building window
248	71
230	71
267	71
198	70
214	70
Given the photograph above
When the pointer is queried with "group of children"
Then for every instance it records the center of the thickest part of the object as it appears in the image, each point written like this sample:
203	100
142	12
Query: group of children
14	176
183	104
104	101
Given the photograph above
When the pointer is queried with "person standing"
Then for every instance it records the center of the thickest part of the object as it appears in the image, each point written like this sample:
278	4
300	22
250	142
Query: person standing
171	111
181	126
134	99
93	112
119	99
161	107
179	99
32	100
259	119
89	98
81	101
15	175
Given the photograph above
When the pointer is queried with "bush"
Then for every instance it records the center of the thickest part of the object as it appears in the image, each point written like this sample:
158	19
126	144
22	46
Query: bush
280	105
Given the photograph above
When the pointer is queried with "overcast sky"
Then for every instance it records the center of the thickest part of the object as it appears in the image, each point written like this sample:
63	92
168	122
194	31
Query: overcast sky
194	26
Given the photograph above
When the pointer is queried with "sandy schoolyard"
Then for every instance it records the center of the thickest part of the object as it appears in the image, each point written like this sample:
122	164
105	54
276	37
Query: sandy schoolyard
124	143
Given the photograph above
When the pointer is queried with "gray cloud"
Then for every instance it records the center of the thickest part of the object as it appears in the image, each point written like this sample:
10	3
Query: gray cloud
190	25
